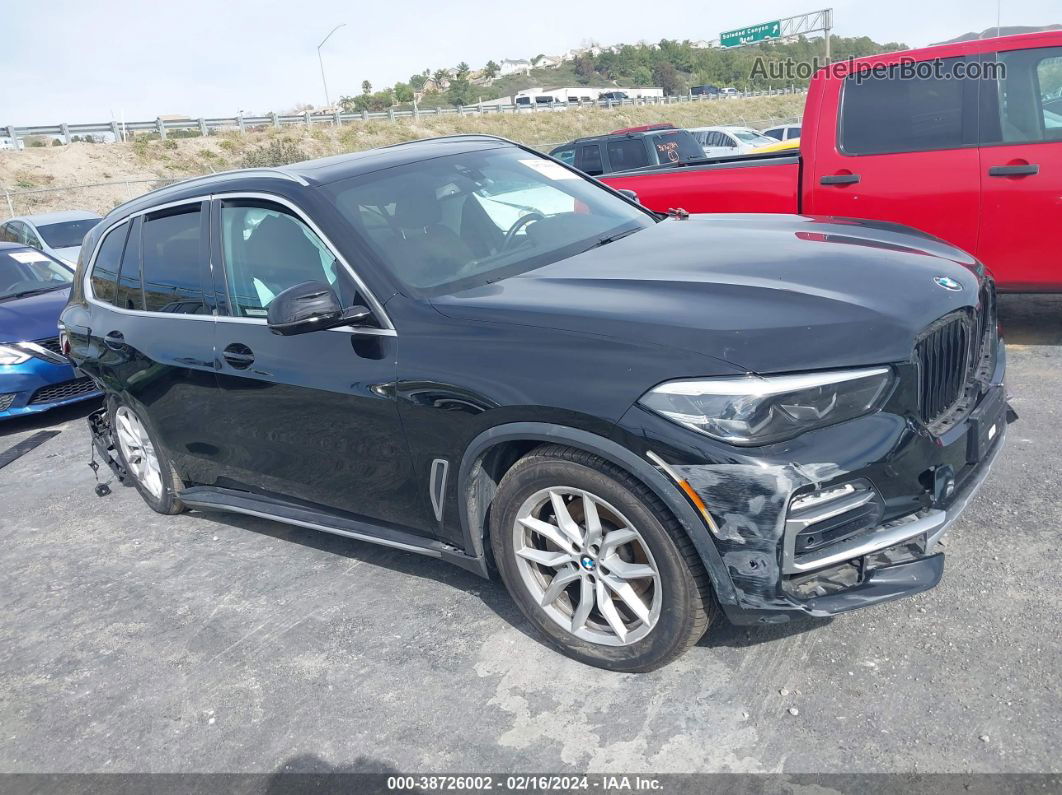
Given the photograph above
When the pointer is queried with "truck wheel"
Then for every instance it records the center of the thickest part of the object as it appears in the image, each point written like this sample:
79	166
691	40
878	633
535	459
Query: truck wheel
596	562
144	459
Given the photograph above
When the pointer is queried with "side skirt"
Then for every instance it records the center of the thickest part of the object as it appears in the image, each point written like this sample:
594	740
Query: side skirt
210	498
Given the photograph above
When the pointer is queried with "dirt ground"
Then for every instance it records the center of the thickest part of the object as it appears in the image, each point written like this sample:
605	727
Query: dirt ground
56	170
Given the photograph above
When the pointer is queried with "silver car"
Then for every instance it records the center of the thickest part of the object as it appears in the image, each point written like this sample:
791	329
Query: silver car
59	234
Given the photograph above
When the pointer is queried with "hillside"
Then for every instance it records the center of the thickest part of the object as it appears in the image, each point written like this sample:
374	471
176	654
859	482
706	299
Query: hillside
156	161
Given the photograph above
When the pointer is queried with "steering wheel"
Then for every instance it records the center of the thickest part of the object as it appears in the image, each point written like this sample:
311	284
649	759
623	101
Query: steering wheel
521	222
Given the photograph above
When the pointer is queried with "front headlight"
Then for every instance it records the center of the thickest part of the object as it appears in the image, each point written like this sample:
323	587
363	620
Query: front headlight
752	410
9	355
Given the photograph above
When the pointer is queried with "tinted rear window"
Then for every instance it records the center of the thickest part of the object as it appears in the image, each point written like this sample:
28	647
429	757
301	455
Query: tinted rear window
627	153
108	260
172	261
889	113
67	234
676	146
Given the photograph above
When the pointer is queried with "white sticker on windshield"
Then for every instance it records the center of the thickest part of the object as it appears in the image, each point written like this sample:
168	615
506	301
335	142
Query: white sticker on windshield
29	256
548	168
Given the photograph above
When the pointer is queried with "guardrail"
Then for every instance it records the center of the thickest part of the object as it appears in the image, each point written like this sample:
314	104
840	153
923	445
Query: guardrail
242	123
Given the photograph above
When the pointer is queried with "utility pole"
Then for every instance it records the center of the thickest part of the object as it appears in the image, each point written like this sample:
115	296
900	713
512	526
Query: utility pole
328	101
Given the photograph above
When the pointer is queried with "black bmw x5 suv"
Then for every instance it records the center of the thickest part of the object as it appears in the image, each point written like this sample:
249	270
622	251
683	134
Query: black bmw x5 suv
461	348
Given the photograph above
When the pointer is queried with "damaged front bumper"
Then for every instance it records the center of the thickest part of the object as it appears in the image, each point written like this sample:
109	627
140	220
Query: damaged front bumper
841	518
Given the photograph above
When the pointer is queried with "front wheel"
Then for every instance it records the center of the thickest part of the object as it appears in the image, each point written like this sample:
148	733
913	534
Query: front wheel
596	562
144	459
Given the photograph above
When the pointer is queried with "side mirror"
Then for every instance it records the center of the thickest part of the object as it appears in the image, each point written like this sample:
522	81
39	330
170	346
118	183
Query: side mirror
311	306
630	194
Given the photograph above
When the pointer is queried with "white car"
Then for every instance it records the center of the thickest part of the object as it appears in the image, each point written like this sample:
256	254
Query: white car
783	132
723	141
59	234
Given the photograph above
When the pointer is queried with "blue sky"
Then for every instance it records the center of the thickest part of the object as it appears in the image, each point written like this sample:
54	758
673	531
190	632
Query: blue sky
82	61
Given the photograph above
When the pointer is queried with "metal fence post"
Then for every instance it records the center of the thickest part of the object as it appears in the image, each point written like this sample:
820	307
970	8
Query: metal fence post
114	132
160	127
364	114
202	126
275	119
338	121
64	130
306	118
239	121
10	206
391	114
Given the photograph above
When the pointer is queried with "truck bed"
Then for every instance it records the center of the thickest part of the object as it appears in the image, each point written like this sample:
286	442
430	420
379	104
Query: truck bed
772	185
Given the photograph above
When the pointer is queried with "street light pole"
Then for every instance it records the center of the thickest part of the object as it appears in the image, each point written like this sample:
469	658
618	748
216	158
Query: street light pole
328	102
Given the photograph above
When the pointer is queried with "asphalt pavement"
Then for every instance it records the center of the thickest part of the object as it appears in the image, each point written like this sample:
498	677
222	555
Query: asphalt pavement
132	641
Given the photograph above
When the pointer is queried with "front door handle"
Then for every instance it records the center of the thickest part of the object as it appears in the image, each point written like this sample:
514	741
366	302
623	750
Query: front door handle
114	340
840	179
239	356
1026	170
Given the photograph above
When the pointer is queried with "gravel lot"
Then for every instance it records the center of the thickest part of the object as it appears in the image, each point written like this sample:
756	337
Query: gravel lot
206	642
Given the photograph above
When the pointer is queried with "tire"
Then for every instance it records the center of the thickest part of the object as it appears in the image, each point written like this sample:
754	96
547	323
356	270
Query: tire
546	568
161	495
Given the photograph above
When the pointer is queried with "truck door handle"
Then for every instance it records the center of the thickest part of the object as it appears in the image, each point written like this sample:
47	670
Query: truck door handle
239	356
1027	170
840	179
114	340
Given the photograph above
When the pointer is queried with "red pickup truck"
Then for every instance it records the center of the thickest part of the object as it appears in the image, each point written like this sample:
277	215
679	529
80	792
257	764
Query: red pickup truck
963	141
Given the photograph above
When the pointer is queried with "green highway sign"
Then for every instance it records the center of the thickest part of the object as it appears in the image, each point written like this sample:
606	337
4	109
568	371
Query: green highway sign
751	34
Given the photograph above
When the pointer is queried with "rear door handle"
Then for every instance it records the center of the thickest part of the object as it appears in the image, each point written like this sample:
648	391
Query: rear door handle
114	340
1027	170
238	355
840	179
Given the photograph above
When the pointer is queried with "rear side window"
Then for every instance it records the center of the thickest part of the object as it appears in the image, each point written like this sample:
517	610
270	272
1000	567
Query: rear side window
588	160
104	279
627	153
777	133
893	113
130	295
172	261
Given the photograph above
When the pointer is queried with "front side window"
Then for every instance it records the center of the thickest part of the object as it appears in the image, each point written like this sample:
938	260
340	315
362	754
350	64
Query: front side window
566	156
890	113
172	260
1029	97
26	272
777	133
67	234
104	279
267	249
468	219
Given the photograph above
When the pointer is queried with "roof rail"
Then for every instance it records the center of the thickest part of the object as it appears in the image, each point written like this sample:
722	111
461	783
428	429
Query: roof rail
206	179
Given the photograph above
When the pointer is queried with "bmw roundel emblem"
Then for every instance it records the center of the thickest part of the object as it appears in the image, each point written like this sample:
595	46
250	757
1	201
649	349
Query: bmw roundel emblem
587	563
947	283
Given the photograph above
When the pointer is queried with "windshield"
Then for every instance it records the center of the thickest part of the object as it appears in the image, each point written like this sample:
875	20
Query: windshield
67	234
752	137
25	271
464	220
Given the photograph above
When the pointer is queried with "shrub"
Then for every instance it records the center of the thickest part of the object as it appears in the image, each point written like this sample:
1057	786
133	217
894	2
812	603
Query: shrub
276	153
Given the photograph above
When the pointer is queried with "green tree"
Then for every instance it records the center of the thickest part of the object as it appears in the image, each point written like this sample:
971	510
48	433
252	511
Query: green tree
416	82
584	68
366	87
403	92
491	70
440	76
462	70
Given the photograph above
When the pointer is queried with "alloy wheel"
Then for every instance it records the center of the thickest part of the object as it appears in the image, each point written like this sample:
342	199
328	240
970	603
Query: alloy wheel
587	566
138	451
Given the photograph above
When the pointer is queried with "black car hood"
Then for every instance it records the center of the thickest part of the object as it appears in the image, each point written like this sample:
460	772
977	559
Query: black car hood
767	293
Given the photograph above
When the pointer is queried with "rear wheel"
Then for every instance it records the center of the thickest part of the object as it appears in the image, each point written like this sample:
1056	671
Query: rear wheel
144	459
596	562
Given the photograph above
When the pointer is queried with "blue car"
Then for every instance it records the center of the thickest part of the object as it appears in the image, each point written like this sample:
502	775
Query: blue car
34	374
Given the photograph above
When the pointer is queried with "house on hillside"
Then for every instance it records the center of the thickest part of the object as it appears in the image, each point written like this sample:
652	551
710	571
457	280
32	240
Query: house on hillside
549	61
508	66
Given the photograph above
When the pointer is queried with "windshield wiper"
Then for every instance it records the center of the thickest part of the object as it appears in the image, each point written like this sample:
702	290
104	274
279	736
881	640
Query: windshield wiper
35	291
604	241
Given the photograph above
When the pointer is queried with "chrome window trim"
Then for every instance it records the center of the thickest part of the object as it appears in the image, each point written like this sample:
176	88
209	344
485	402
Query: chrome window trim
374	304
